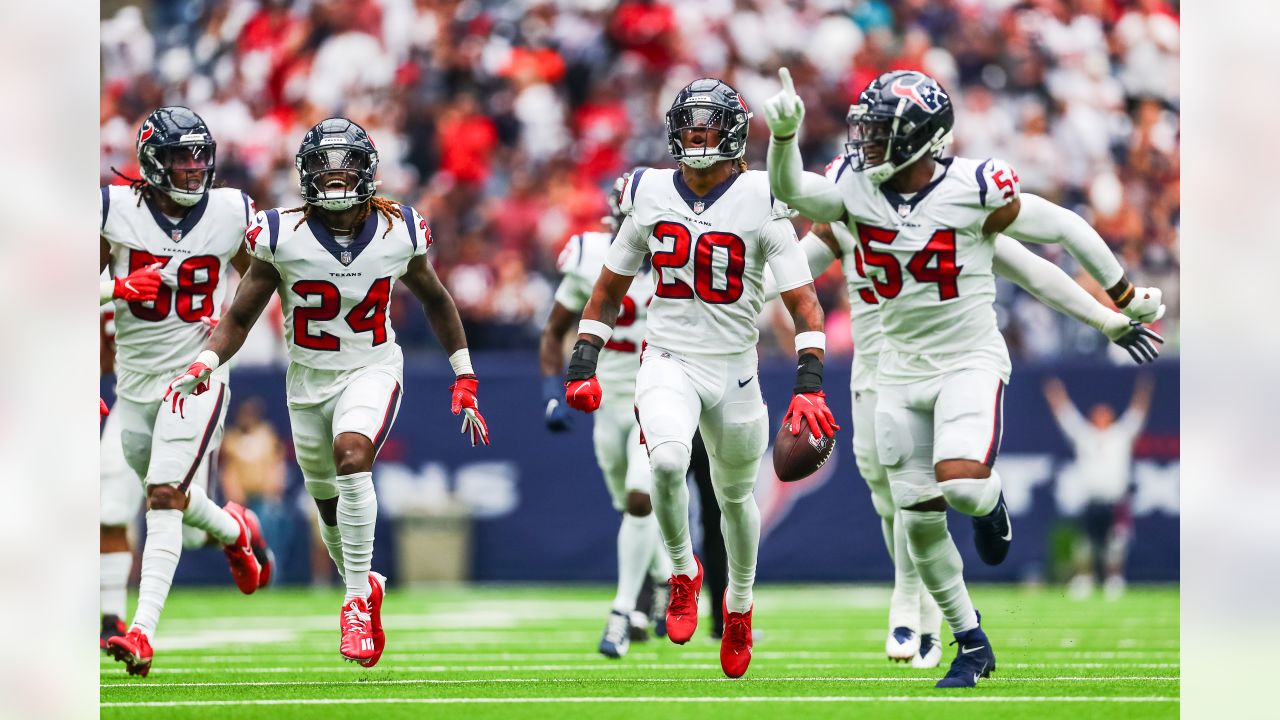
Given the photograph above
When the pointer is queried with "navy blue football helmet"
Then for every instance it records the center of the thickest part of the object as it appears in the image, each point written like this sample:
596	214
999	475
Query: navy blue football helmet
336	151
898	118
713	104
175	138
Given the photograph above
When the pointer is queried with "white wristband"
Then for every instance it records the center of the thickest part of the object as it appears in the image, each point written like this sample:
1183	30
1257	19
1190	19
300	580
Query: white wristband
209	358
595	327
811	339
461	363
106	291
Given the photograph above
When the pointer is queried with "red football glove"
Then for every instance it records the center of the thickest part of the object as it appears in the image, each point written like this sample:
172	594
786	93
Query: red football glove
465	402
102	408
192	382
813	408
141	285
583	395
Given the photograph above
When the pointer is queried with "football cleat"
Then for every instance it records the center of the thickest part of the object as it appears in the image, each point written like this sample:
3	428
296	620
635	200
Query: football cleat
682	608
357	631
112	626
377	591
617	635
735	646
244	566
134	650
974	659
993	534
261	552
639	631
661	597
930	653
902	644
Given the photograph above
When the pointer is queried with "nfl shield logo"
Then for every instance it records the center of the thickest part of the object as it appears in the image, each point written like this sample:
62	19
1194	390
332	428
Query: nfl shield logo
176	234
698	207
345	257
904	209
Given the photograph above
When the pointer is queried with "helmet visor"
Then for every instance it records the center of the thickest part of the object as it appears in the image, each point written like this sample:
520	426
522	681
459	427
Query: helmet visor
870	136
189	167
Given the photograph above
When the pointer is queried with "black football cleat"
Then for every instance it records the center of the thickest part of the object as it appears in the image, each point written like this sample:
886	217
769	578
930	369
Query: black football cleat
974	659
112	626
993	534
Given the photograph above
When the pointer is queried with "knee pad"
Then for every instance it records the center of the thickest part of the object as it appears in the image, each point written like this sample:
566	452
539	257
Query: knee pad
881	496
894	443
325	489
972	496
743	434
669	461
137	451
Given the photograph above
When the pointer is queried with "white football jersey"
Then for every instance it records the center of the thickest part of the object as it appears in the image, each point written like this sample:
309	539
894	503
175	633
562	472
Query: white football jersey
335	298
162	337
581	262
933	266
708	256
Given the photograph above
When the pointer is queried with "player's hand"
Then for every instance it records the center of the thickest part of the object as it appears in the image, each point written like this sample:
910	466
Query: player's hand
813	408
209	324
102	408
141	285
1134	337
583	395
195	381
556	416
784	112
1146	306
464	401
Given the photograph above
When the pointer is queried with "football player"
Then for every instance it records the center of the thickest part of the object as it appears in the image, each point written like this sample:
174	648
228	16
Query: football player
928	225
333	262
167	240
616	436
711	227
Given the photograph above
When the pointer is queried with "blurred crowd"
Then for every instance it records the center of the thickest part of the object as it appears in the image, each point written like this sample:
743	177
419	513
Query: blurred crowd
503	122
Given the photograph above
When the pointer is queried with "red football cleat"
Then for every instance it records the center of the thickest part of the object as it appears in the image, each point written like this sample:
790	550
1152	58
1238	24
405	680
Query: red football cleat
112	626
244	566
134	650
357	632
682	608
735	646
261	552
377	590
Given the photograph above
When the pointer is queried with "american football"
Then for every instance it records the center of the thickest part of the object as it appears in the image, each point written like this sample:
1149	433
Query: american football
796	457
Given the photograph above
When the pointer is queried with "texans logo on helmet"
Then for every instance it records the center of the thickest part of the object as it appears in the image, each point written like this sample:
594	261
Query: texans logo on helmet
146	132
915	89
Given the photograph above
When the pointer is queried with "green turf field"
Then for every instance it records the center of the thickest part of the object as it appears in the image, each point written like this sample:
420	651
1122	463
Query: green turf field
490	652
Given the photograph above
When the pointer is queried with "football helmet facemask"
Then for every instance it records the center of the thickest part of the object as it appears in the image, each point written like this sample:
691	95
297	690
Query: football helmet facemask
336	165
173	139
614	219
898	118
714	105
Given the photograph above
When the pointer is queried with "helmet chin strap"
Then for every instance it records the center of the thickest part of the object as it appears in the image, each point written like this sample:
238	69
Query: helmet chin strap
183	198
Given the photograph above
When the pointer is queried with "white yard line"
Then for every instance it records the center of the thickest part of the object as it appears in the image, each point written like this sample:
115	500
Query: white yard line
615	700
425	681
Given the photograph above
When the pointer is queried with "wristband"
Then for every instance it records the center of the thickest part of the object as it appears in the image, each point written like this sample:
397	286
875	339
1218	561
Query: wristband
808	374
811	339
209	358
582	365
595	327
1121	293
106	291
783	139
460	361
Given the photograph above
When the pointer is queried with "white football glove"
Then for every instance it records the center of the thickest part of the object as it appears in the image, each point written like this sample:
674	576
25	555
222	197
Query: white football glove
784	111
1145	307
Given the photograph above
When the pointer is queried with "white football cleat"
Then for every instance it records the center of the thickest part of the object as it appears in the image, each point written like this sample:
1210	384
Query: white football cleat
617	635
902	644
930	653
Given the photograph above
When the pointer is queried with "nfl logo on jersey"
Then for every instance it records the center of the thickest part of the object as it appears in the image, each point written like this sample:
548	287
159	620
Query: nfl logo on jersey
176	234
345	257
698	207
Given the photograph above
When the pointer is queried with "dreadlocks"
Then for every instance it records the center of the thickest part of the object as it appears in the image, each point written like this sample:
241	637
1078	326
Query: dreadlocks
140	187
389	209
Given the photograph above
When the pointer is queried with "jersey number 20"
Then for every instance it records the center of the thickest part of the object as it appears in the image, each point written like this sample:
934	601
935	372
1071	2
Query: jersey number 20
368	315
704	285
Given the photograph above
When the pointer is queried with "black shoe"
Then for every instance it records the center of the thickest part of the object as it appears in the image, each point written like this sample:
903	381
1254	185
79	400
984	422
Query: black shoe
974	659
993	534
112	626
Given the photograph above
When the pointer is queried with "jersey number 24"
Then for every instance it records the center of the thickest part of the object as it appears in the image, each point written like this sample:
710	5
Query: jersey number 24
369	315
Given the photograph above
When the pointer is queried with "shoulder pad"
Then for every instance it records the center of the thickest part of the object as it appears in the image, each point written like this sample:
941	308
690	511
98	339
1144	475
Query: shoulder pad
628	200
263	234
997	183
418	232
571	255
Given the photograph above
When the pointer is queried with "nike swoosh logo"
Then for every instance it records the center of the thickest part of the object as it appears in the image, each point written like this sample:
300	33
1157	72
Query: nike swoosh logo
966	651
743	383
1008	537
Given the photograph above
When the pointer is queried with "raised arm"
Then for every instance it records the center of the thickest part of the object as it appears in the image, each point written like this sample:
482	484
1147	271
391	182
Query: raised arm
812	194
1056	289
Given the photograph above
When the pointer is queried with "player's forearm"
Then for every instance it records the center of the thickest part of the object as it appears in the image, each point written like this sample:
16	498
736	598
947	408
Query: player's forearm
1047	283
1040	221
551	347
811	194
807	315
446	323
228	337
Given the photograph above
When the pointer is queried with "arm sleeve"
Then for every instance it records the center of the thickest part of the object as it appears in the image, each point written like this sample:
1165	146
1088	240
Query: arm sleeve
1040	221
813	195
784	256
1047	283
818	254
628	249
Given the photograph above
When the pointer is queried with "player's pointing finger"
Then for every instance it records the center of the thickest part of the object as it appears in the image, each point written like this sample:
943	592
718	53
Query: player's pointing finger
785	76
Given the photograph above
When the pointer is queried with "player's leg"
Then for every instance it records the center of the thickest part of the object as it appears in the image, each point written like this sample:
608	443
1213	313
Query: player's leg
639	480
668	407
121	497
1117	546
968	425
362	419
904	442
903	641
736	432
312	430
713	555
